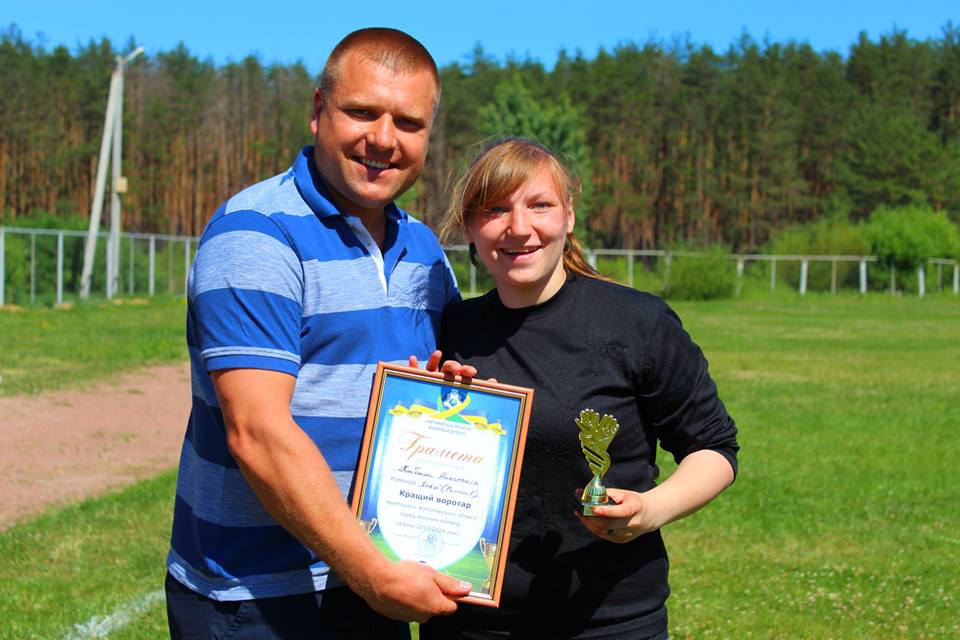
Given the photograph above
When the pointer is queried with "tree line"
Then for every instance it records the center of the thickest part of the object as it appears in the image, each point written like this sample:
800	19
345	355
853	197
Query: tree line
676	143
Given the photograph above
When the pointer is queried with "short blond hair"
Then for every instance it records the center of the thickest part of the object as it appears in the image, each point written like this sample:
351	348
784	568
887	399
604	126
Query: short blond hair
393	49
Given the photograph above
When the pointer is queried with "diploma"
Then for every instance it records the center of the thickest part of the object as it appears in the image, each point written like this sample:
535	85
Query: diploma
438	473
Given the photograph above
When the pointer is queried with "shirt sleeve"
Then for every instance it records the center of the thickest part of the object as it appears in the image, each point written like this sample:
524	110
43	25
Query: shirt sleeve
246	289
678	398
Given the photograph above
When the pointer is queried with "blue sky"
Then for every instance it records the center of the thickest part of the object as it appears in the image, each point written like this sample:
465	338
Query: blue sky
285	31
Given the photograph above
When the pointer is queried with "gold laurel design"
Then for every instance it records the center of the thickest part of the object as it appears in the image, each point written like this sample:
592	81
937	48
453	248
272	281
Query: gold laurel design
596	433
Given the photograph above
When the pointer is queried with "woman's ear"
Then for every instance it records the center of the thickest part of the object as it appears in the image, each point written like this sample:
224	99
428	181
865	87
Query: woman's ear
571	218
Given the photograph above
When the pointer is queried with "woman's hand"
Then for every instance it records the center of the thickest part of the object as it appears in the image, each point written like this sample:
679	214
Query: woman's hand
628	515
696	481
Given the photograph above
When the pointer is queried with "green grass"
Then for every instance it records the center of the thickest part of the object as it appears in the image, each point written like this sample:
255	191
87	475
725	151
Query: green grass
87	560
844	521
45	348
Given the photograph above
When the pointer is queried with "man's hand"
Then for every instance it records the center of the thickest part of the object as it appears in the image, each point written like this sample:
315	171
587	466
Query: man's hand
448	368
413	592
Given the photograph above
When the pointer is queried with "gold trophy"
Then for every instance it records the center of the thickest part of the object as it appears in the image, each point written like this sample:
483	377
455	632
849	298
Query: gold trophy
596	433
489	551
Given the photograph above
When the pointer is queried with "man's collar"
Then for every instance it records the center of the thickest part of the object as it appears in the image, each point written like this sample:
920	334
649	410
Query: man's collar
316	194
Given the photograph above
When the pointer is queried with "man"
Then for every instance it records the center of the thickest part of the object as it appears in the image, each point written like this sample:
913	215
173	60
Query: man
300	284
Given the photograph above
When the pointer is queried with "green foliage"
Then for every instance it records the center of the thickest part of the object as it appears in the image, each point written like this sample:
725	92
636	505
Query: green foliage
833	236
892	159
554	123
707	277
676	142
906	237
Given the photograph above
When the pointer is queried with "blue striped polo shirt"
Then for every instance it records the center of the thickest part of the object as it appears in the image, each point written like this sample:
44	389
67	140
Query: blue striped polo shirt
283	281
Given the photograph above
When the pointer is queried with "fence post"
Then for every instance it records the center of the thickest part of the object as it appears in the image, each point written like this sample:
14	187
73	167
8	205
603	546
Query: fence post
739	275
3	274
151	268
186	266
630	269
773	274
106	284
60	267
921	282
956	273
667	261
893	279
33	268
803	276
130	269
939	277
592	258
863	275
169	266
833	277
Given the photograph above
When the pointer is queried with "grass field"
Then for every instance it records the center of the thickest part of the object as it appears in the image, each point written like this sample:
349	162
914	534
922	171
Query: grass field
844	521
43	348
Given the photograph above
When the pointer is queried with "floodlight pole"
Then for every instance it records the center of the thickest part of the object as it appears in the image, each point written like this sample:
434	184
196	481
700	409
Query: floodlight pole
112	132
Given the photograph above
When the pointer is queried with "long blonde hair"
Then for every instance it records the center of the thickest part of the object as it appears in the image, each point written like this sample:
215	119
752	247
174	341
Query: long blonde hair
500	169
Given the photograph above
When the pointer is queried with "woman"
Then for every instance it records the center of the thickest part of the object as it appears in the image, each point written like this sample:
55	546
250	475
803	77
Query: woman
580	341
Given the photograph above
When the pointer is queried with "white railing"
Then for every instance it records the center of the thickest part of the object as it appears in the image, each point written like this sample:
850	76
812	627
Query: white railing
44	265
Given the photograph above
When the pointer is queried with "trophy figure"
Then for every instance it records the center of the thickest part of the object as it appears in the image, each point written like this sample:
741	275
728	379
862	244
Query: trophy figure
596	433
368	525
489	551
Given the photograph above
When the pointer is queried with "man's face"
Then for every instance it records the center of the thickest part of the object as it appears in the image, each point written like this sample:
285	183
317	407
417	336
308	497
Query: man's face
371	134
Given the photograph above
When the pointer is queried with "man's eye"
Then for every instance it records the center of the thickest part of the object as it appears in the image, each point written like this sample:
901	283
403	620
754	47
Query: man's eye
409	125
363	114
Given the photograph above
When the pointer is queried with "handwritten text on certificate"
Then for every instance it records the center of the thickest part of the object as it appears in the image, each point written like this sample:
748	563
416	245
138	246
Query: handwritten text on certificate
435	504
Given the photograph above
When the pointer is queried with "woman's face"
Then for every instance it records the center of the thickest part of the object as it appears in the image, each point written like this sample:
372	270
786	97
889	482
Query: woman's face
520	240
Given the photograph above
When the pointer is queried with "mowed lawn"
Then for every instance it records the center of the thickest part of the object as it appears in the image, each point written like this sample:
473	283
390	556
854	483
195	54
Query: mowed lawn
844	521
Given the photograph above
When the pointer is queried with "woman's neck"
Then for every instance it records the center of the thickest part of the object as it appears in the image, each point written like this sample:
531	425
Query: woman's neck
514	296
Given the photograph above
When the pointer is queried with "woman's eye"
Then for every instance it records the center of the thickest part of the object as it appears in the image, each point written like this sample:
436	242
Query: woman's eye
496	211
542	205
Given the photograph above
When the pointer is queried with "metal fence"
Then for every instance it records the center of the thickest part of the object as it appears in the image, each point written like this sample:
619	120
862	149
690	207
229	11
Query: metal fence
43	266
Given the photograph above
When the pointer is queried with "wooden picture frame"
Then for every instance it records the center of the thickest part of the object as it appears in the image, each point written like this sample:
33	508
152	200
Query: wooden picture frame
439	470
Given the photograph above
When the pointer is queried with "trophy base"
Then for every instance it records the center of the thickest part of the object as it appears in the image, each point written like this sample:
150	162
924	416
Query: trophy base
593	496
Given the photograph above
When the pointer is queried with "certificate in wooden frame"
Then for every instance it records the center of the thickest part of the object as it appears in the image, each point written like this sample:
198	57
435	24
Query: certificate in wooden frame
438	473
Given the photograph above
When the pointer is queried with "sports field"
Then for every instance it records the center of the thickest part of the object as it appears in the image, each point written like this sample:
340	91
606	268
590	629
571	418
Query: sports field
844	521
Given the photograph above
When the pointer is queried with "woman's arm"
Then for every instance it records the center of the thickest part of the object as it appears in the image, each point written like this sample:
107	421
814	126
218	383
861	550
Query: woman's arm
698	479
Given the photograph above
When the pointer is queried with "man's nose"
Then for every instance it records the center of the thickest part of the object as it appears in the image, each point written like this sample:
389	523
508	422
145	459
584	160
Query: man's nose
383	134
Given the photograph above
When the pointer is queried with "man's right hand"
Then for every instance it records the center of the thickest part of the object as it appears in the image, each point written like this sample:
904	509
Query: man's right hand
414	592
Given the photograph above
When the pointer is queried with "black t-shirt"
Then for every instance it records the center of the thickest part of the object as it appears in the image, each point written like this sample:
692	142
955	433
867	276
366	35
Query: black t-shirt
605	347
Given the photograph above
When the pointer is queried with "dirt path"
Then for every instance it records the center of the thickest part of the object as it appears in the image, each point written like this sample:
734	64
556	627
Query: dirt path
63	446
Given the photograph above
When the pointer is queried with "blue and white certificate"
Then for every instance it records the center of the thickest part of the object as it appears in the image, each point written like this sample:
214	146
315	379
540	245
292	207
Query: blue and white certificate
438	473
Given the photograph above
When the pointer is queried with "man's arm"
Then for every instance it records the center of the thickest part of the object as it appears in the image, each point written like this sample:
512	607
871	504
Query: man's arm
291	478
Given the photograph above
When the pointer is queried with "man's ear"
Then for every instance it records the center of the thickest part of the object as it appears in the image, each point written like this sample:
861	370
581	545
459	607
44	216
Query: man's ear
318	105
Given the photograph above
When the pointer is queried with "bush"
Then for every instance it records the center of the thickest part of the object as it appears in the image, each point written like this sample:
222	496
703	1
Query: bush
828	237
706	277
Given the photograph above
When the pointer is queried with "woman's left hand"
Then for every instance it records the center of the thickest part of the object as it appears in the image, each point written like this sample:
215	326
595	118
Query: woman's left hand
628	515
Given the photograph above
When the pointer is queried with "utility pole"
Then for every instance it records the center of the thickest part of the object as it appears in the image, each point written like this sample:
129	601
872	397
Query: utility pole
112	133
